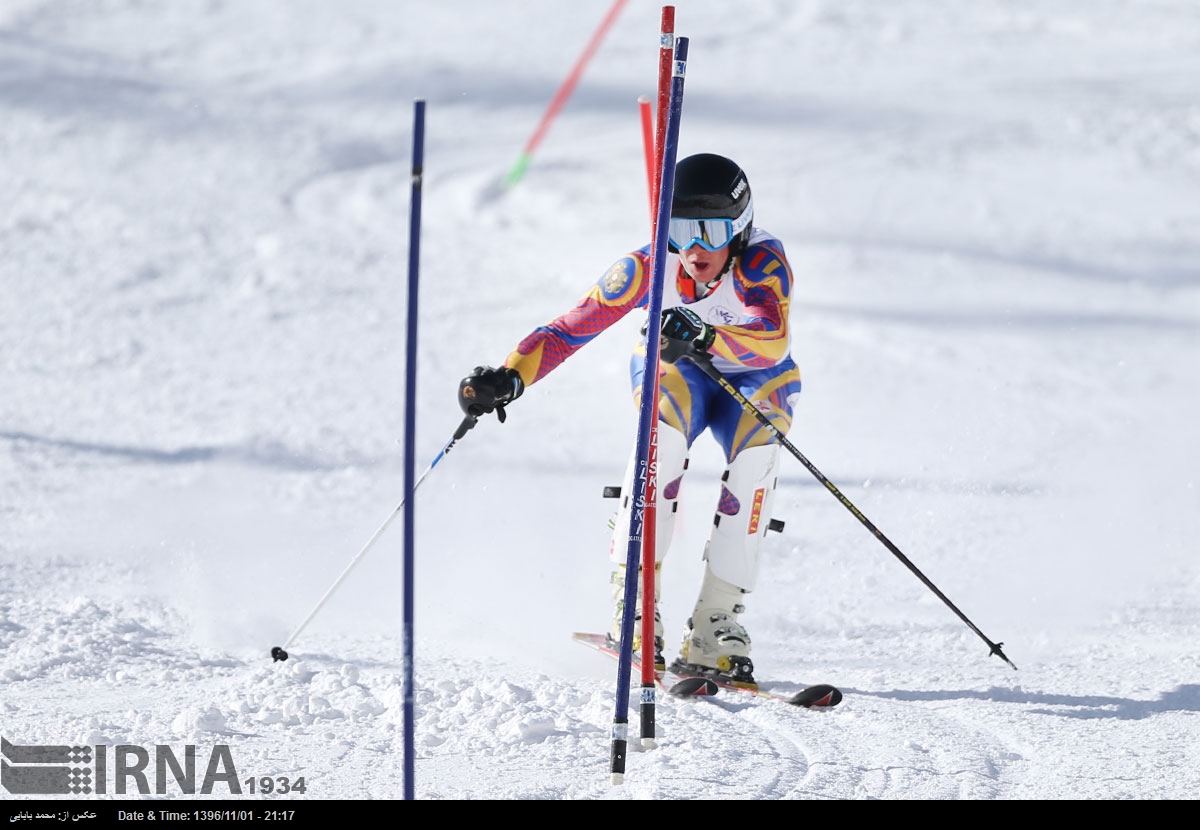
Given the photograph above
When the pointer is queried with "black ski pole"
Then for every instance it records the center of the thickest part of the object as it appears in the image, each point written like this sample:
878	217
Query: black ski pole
280	652
704	361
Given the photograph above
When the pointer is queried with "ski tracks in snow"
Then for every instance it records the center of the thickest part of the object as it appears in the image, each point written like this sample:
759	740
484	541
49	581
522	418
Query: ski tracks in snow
763	750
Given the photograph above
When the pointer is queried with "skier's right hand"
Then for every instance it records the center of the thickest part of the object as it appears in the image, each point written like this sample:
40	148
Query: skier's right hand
684	334
486	390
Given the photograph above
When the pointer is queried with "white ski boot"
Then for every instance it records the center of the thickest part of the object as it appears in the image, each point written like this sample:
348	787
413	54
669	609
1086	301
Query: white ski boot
715	644
614	634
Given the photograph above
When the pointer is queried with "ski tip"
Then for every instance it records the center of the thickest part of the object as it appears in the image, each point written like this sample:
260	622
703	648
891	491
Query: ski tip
822	696
694	687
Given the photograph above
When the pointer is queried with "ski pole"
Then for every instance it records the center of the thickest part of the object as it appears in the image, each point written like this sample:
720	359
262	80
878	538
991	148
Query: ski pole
704	362
280	652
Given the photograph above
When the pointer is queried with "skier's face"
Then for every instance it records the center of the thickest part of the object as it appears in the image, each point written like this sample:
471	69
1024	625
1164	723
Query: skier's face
702	265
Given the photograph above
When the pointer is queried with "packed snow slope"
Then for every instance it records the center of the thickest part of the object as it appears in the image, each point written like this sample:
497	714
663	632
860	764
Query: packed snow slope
992	214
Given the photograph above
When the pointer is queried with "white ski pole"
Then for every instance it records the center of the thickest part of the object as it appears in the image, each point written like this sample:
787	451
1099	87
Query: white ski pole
280	652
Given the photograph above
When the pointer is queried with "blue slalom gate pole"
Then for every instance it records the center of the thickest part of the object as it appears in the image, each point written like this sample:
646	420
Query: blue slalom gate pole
647	416
411	482
279	653
410	431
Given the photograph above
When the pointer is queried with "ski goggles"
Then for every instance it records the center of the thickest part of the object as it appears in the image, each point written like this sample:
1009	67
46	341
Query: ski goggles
709	234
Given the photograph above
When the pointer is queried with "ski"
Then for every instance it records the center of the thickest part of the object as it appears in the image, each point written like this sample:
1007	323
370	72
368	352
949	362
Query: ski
669	682
819	696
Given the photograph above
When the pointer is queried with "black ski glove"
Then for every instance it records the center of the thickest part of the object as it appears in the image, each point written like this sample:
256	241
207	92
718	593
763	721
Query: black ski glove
487	389
684	333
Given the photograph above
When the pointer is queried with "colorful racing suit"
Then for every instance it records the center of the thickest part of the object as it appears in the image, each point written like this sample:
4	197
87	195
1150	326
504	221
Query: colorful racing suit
748	307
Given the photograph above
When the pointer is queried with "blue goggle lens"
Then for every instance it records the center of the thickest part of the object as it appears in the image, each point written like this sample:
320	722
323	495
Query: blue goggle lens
709	234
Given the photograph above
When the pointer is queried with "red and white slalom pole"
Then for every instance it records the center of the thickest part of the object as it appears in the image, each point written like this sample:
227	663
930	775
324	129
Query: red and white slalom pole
563	93
648	418
666	51
648	144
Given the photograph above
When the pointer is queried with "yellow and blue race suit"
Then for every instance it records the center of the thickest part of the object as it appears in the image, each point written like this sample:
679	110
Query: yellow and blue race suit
748	308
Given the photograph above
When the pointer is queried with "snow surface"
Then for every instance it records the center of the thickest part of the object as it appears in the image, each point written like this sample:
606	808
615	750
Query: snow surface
993	213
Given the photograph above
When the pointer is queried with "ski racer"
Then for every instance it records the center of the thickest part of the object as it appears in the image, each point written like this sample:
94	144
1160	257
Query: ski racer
726	295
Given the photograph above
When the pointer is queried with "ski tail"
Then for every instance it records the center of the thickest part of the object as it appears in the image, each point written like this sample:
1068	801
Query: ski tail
821	696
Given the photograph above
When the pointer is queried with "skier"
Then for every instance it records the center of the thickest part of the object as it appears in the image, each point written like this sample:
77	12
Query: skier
726	296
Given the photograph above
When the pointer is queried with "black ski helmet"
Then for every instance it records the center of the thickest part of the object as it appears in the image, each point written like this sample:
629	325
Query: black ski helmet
708	186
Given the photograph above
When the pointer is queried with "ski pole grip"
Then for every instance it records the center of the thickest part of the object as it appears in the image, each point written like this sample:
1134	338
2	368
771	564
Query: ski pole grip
466	426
